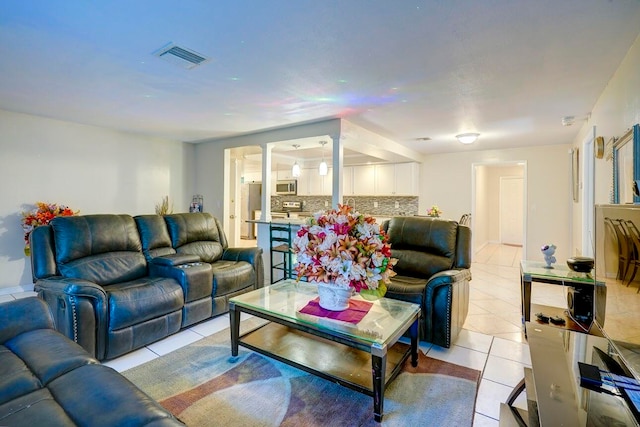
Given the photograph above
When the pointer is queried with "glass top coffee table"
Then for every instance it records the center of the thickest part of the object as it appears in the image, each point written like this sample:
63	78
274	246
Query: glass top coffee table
364	357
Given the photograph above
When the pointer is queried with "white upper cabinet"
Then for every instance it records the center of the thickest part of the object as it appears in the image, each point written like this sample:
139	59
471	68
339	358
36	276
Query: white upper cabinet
406	179
347	181
364	180
303	183
400	179
385	180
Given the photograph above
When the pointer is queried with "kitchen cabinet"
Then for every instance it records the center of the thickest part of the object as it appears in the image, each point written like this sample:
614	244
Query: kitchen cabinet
252	176
285	174
303	183
347	181
310	183
327	183
385	179
406	179
364	180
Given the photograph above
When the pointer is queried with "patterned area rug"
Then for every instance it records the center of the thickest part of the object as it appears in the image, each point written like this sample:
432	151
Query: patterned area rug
204	386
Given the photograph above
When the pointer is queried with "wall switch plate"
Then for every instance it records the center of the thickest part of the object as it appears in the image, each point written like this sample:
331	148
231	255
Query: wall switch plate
397	205
326	204
375	204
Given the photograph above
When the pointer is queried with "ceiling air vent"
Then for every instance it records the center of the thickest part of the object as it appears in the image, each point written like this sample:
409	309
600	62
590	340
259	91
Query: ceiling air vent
183	57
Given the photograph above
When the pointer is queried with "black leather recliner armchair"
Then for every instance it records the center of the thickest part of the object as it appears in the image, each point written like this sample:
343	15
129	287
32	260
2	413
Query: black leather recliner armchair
433	270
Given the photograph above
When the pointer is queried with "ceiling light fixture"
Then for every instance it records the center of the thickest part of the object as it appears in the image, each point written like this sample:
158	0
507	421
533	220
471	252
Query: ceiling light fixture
322	168
295	170
468	138
568	120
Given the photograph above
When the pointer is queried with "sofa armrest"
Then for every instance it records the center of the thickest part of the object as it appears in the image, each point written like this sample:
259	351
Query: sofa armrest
251	255
79	310
174	259
447	277
23	315
446	304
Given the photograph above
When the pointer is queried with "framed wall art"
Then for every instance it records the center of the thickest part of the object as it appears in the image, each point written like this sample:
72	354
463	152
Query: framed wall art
626	167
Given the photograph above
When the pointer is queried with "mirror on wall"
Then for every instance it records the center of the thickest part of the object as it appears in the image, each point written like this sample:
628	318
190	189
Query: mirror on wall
626	167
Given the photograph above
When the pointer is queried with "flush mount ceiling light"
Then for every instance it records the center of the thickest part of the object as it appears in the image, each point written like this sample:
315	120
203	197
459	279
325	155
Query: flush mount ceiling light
568	120
468	138
295	170
322	168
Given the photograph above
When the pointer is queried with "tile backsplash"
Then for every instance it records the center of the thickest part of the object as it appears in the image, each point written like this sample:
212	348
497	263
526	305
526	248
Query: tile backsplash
373	205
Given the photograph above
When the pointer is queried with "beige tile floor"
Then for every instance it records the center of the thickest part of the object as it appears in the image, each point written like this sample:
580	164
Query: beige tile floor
492	339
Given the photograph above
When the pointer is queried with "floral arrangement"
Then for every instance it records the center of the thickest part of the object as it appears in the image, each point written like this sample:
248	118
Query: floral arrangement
434	211
344	249
41	215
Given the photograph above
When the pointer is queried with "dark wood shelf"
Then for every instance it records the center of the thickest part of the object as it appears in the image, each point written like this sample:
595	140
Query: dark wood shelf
548	310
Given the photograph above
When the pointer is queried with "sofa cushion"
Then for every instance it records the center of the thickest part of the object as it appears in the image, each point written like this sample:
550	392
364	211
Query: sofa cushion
119	401
48	354
15	378
154	236
143	299
196	233
232	276
423	246
103	249
38	408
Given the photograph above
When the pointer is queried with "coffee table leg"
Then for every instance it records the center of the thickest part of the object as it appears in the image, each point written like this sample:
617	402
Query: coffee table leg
234	324
379	365
413	331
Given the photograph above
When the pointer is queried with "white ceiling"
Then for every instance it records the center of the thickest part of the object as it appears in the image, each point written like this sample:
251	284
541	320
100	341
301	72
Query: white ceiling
508	69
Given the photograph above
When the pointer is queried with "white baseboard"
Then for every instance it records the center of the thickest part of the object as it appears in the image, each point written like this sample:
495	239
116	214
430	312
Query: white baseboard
16	289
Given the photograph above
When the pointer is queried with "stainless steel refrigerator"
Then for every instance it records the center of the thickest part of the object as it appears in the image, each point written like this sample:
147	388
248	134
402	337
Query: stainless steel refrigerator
250	201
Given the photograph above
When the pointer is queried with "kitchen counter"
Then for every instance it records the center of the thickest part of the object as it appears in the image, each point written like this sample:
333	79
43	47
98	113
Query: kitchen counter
291	221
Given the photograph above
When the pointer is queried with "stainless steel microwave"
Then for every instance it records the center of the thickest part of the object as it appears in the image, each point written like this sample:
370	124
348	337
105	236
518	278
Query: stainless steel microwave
287	187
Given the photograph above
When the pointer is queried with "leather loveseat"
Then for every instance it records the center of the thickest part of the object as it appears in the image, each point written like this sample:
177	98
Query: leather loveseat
115	283
433	270
48	380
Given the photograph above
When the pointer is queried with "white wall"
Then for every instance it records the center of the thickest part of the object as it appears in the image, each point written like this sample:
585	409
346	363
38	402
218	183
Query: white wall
92	169
446	179
616	110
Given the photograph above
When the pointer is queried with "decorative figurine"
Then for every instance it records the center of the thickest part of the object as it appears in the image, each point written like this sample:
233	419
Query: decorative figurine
548	251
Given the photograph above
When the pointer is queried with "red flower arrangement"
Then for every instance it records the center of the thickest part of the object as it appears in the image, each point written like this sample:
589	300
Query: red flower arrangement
346	250
42	215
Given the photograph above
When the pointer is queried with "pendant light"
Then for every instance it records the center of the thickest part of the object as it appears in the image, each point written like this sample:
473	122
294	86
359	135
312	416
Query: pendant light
322	168
295	170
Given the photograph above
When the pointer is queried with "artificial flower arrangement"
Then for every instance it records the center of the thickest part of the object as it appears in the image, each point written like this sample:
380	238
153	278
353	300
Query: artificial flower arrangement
344	249
434	211
41	215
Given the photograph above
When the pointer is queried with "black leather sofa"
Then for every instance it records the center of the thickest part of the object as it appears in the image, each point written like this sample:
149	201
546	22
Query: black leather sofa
117	283
433	270
48	380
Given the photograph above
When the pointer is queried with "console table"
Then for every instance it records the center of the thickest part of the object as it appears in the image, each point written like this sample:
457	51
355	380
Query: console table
535	271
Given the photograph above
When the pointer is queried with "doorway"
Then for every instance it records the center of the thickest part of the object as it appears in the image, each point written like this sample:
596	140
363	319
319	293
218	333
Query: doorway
511	210
499	204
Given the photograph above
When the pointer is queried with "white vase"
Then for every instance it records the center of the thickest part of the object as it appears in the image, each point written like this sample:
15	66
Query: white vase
333	298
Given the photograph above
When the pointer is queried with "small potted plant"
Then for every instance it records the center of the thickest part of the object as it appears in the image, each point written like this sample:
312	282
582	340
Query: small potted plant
434	212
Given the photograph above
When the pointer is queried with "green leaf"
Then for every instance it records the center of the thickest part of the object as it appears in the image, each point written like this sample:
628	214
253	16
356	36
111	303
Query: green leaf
374	294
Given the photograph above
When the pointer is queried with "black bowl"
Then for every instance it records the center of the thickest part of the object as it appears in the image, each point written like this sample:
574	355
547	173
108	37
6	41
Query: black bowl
580	264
